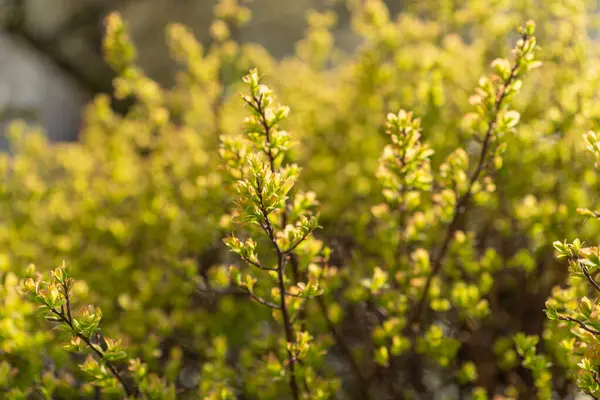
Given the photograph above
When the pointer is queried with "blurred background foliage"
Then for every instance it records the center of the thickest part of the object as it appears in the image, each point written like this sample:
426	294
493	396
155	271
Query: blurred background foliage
139	205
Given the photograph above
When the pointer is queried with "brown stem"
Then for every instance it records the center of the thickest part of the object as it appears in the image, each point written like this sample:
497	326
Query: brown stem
463	201
295	267
257	265
289	335
128	391
287	325
68	319
589	277
581	324
68	305
266	128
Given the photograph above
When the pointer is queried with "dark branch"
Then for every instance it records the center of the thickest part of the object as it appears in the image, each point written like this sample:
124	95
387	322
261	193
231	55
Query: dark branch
463	201
580	323
129	391
241	291
589	277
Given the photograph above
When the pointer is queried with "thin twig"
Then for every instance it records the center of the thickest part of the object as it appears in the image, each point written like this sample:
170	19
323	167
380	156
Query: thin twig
295	267
299	242
287	325
257	264
580	323
463	201
589	277
263	301
267	129
241	291
111	368
68	305
68	319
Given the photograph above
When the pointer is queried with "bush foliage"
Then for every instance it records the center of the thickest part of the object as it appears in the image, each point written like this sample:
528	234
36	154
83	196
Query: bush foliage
388	235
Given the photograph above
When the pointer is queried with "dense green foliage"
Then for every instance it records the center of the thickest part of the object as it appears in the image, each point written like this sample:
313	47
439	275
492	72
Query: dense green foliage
388	235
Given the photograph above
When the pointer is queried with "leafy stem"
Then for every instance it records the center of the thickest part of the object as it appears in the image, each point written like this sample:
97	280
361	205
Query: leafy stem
590	279
580	323
281	259
68	320
65	316
463	201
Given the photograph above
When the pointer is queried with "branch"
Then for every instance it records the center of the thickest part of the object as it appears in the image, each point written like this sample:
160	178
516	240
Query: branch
580	323
68	305
242	291
589	277
128	391
263	301
299	242
267	129
257	265
268	227
463	201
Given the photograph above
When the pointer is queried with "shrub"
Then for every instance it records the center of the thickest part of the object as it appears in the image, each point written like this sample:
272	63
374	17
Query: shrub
228	248
576	332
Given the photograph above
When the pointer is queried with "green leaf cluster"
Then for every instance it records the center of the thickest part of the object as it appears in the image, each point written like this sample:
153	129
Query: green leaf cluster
261	229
